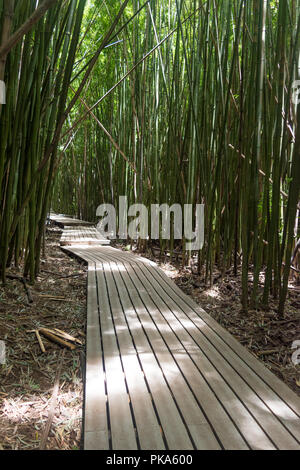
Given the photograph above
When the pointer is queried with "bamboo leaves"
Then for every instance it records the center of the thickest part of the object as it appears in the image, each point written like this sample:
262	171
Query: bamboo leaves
195	96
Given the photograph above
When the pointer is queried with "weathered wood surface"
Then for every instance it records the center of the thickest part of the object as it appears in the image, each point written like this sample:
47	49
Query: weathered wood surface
162	374
66	221
78	232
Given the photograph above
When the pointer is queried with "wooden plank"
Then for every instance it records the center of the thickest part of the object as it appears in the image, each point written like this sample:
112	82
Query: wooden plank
171	421
280	436
289	419
95	419
82	236
277	385
267	396
93	438
281	389
148	428
253	433
242	352
122	428
189	407
221	422
182	350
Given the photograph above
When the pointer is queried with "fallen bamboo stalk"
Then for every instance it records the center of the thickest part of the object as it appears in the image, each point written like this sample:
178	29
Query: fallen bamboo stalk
69	276
48	296
268	352
40	341
55	298
66	336
52	336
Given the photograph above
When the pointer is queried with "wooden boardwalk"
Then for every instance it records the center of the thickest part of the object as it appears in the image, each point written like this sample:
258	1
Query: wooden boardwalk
82	236
65	221
162	374
78	232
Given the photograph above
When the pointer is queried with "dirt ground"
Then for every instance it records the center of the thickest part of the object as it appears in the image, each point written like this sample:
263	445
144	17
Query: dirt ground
28	376
58	300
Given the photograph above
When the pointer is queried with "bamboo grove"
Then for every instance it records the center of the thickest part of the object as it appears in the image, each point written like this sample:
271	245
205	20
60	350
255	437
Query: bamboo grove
38	71
190	101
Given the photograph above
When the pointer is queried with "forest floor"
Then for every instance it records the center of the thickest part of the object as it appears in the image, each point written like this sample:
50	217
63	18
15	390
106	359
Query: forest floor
27	379
59	301
261	332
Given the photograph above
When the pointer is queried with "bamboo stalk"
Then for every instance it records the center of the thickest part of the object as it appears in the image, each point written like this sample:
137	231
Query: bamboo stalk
56	339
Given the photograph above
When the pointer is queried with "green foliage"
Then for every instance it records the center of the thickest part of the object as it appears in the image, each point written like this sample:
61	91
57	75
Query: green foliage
201	120
191	103
37	74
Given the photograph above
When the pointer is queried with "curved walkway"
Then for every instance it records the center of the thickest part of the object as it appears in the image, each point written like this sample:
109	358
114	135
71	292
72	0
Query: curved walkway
162	374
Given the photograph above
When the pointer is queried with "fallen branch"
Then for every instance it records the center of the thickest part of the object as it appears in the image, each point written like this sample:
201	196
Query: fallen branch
62	276
50	296
66	336
69	276
283	322
55	298
268	352
56	339
40	341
